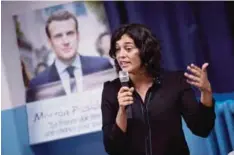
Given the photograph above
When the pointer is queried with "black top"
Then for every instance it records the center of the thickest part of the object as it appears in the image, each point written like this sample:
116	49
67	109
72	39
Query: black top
155	127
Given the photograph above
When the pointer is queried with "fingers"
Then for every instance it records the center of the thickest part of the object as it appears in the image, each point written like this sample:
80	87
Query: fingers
132	89
123	89
204	67
125	96
197	76
196	84
195	67
125	101
195	70
195	73
192	77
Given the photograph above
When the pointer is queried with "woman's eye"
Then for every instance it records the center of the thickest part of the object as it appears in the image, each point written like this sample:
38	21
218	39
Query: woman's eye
129	49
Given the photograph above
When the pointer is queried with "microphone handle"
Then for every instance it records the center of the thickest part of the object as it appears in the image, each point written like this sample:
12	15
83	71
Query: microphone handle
124	84
128	107
129	111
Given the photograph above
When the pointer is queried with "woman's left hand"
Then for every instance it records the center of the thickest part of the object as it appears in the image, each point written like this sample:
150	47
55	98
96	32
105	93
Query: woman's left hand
198	78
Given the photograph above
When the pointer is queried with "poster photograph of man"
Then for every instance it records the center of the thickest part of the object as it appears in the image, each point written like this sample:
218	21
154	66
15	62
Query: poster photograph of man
63	55
58	46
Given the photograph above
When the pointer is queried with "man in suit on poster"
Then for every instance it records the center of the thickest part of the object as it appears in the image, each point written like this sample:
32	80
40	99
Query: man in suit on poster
63	36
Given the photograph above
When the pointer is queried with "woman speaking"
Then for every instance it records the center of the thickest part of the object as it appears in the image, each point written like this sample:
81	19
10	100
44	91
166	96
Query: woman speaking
156	98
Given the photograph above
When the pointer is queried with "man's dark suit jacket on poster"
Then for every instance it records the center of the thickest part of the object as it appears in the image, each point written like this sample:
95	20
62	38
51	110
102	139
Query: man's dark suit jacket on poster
156	124
89	65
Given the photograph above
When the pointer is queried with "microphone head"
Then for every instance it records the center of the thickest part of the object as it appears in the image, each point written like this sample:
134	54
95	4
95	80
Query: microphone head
124	79
123	76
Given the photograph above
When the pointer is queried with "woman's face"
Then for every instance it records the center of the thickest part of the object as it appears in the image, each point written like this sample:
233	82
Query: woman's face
127	55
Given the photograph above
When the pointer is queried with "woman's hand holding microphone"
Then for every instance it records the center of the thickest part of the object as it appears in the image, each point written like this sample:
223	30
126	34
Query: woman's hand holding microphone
125	98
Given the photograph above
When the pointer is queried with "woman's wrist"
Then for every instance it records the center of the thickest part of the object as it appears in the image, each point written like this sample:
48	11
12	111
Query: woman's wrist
122	109
206	98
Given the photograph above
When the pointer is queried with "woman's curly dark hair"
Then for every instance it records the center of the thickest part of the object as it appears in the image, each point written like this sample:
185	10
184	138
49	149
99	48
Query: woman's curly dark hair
148	45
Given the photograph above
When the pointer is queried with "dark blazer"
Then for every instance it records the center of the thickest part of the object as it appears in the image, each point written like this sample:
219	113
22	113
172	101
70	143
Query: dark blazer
161	122
89	65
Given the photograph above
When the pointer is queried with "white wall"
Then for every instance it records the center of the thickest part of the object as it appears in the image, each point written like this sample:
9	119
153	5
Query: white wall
13	93
5	94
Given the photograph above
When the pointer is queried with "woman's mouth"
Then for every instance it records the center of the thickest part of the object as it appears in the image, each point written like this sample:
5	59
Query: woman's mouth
124	64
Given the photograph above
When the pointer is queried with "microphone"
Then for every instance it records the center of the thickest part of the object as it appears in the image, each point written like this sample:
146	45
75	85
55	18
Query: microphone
124	79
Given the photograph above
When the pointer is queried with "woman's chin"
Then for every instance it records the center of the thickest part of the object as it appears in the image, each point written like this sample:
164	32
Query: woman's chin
126	69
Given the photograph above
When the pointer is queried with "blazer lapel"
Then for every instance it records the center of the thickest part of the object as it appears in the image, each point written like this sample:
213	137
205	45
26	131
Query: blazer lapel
53	74
54	77
84	65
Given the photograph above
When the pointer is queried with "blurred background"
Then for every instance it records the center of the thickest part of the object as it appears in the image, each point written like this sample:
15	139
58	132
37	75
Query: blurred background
34	48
